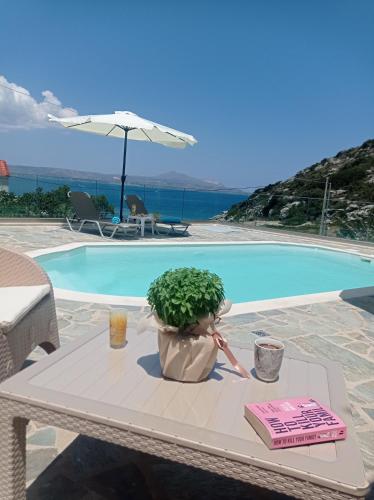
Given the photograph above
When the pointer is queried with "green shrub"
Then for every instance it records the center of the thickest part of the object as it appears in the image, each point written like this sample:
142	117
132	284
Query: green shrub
181	296
103	206
350	174
41	203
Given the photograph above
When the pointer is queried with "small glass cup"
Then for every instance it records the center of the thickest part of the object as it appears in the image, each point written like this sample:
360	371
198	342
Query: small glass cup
117	328
268	358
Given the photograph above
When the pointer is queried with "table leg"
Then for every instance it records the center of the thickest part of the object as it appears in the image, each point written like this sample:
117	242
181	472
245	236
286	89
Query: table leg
142	224
12	457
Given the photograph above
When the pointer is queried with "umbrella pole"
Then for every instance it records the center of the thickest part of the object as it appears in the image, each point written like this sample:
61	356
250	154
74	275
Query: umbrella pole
123	177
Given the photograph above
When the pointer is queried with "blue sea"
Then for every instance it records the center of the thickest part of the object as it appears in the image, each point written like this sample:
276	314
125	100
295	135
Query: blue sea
183	203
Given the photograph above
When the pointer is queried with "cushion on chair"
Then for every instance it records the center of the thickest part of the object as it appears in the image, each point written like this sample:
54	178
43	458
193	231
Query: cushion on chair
170	220
17	301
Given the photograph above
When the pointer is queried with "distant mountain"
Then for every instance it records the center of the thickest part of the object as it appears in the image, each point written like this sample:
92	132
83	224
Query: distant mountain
165	180
297	201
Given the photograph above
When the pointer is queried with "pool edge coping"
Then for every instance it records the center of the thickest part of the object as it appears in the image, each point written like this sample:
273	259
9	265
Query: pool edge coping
237	308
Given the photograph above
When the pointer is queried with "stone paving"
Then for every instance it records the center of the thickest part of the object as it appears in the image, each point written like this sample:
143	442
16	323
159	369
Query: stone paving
30	237
83	468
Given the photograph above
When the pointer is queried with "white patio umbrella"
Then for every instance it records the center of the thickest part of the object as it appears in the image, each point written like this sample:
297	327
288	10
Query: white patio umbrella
126	125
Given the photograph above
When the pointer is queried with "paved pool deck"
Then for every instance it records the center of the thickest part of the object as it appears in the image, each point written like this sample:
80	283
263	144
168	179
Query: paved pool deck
83	468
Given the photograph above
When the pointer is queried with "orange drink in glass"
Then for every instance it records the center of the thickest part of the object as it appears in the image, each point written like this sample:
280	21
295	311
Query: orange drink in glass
117	328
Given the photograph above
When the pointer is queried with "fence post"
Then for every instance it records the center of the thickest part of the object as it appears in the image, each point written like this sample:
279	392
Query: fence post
323	213
327	208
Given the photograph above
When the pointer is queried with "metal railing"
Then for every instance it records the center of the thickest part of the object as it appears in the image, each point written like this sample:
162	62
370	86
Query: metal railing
328	213
184	203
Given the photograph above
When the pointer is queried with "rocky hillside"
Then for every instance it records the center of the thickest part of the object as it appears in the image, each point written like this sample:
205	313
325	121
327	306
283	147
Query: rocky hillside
297	202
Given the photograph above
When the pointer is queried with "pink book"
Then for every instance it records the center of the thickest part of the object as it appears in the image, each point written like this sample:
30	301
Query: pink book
294	422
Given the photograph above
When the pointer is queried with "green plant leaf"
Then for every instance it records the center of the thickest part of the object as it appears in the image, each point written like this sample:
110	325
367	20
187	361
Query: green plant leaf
180	296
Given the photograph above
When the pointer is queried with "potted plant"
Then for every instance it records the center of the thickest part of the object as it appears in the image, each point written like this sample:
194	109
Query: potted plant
185	303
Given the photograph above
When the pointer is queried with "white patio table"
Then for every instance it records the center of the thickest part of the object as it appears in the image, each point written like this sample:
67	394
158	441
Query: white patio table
119	396
142	219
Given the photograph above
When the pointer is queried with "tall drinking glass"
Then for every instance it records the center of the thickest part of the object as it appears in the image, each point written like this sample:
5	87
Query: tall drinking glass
117	328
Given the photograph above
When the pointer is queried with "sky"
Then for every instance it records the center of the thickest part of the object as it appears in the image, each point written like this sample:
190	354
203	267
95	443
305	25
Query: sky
267	87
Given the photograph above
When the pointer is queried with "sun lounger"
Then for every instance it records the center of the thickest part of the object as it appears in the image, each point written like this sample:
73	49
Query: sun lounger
87	213
173	224
27	311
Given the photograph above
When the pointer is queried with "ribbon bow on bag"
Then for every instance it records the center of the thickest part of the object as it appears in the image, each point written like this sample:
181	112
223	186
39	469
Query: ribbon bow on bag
223	345
221	342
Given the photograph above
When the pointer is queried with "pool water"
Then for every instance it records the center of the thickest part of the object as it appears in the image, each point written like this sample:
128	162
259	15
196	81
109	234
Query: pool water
249	272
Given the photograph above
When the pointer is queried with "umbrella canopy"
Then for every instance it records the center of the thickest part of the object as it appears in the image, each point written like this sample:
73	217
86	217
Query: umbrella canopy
126	125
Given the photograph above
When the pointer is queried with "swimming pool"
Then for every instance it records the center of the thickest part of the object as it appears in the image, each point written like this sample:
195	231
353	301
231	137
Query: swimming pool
250	272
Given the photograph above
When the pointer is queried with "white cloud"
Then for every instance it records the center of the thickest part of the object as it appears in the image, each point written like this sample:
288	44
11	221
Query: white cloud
19	110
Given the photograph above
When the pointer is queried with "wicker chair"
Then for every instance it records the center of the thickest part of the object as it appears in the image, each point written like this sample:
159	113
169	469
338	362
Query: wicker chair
38	327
